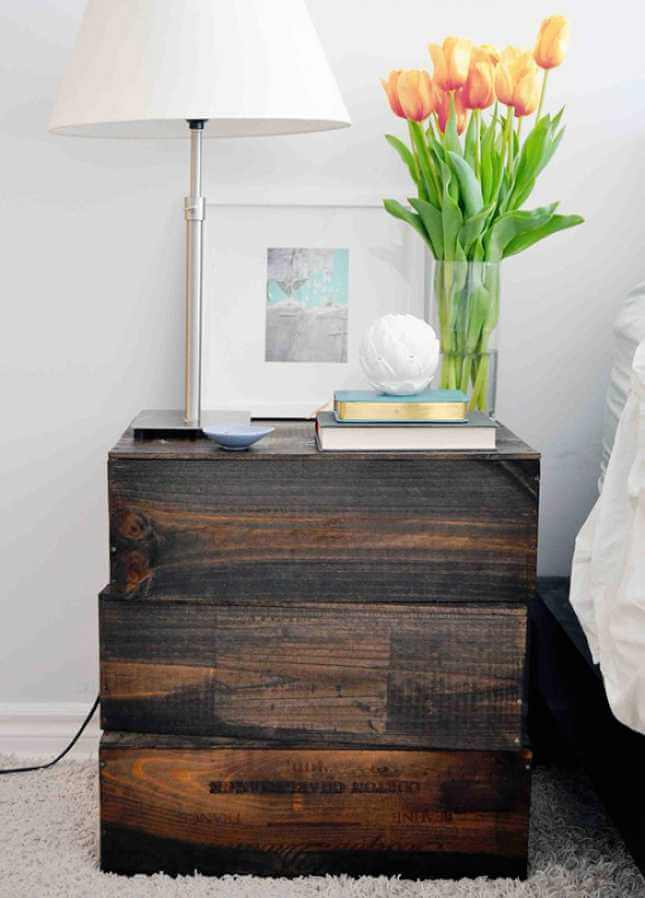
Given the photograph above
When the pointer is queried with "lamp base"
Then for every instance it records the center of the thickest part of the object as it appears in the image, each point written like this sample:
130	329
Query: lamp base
170	422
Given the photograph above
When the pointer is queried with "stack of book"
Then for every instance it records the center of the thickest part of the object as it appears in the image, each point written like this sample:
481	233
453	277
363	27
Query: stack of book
434	419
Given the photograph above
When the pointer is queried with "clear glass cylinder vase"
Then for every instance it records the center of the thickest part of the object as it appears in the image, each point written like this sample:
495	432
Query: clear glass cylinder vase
465	313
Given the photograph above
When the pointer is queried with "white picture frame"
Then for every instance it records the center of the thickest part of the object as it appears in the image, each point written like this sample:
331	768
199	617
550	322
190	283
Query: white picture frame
386	273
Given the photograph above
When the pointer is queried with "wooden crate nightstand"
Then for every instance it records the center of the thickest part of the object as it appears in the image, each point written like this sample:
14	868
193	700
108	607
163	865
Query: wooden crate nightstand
314	662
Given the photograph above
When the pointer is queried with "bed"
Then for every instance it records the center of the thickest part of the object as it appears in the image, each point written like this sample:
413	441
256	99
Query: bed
570	719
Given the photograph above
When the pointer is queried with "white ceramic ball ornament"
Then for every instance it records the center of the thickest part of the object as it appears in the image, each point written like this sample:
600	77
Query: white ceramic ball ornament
399	354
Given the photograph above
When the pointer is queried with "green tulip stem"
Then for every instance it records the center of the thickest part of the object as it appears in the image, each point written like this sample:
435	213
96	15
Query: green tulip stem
542	93
477	116
422	190
508	133
519	129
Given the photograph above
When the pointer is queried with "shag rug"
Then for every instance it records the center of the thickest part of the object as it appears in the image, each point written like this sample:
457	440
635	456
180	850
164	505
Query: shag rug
49	834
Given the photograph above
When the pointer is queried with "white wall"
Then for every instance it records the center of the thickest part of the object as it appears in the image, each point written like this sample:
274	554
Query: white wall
91	309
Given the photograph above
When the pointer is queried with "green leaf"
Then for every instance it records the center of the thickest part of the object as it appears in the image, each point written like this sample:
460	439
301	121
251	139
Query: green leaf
473	227
553	225
550	149
469	186
491	162
406	155
512	225
470	142
439	155
398	211
451	217
425	162
433	223
486	165
478	253
539	146
515	144
555	121
520	197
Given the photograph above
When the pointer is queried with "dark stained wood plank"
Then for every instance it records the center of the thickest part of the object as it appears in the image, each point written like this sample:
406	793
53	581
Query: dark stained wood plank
288	438
123	740
336	528
301	811
428	676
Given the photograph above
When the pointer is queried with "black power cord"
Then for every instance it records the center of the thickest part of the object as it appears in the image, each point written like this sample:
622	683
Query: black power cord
63	753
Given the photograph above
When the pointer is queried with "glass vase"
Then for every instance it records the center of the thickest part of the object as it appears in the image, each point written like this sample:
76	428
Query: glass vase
464	314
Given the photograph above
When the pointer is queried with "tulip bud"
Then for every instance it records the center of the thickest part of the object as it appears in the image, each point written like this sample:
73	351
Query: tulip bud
487	51
552	42
442	109
504	75
451	62
390	88
479	90
410	94
517	83
415	94
526	95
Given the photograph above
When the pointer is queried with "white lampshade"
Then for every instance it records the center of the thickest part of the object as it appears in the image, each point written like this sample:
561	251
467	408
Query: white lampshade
141	68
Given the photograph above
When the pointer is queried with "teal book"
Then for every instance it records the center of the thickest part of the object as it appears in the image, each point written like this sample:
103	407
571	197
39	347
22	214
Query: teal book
380	408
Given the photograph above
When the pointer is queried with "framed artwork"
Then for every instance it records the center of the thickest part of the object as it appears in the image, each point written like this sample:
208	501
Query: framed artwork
290	291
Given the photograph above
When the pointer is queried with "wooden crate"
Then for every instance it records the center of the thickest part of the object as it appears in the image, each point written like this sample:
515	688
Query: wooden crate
185	804
286	523
431	676
314	662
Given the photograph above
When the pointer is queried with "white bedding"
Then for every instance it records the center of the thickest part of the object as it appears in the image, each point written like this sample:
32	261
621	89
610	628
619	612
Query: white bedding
608	573
629	332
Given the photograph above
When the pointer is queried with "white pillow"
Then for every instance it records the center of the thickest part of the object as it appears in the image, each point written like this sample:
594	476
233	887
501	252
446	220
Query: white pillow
629	331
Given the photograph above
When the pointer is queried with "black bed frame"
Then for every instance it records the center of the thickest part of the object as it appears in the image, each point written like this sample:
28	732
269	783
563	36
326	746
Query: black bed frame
570	718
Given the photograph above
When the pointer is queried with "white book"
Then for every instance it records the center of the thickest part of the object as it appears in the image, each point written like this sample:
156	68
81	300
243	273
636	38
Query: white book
478	432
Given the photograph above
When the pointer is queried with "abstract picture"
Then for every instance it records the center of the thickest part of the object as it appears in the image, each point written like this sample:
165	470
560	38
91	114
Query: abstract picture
307	305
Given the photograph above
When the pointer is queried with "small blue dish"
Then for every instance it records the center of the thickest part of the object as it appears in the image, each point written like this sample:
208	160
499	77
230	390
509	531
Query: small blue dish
236	437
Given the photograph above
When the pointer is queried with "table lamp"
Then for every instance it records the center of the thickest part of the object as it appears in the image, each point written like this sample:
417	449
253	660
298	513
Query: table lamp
215	68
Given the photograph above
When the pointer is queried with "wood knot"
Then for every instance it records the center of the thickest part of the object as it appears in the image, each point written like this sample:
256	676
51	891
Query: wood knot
133	525
137	570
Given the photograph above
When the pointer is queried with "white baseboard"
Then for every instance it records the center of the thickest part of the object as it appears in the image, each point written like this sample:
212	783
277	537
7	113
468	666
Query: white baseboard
43	729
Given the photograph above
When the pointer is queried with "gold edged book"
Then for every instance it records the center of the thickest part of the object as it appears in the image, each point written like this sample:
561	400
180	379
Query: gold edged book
352	406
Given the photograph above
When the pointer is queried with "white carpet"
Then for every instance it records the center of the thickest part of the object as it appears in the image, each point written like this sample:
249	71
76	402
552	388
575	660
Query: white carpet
49	829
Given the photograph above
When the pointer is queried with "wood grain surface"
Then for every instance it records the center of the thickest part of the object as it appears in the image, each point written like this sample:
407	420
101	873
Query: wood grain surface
293	438
299	811
429	676
288	524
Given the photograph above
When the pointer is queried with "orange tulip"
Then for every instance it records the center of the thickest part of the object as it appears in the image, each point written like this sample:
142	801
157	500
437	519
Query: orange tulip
479	90
505	74
527	93
442	109
451	62
517	82
488	51
552	42
416	95
410	94
390	88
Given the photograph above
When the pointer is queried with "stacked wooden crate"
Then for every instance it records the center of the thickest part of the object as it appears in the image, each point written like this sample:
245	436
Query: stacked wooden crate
314	662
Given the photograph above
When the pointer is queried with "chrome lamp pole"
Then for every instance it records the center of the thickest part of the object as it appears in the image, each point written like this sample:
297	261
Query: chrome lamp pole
195	212
170	421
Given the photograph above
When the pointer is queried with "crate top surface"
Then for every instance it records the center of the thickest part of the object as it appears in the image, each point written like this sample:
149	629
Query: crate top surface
294	439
